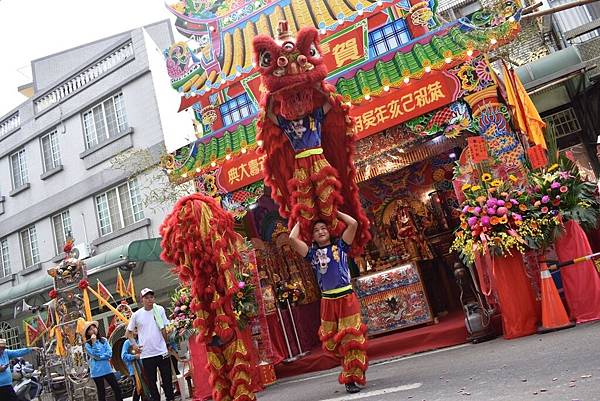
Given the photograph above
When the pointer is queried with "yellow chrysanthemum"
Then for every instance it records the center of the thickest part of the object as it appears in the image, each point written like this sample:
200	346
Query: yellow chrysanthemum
496	183
485	177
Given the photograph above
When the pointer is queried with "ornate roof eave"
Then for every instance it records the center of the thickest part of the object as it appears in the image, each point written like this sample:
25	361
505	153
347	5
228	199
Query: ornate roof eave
475	41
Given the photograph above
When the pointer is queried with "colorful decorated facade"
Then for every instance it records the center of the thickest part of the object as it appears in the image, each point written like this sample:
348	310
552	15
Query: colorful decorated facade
419	87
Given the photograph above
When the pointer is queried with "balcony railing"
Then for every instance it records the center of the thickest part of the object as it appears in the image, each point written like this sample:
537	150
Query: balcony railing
9	124
84	78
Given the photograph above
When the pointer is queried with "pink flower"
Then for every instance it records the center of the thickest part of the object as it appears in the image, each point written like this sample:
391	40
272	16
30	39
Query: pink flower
465	209
537	203
492	202
476	210
544	209
514	202
563	189
555	185
564	175
517	216
500	202
485	221
241	284
545	199
501	211
491	211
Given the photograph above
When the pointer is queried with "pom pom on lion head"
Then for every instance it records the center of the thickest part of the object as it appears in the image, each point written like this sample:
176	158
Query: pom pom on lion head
291	68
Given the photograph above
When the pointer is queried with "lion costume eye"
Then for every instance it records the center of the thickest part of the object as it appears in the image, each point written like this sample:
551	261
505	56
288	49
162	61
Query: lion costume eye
313	51
265	59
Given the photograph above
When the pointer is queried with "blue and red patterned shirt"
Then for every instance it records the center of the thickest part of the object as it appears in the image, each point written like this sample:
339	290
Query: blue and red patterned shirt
304	133
330	264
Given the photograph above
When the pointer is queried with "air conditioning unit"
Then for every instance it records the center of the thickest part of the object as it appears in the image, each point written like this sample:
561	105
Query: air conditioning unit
81	251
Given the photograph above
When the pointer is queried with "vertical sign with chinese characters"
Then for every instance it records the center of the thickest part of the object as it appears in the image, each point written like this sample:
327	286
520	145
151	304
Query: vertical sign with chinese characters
477	148
431	92
345	48
240	171
537	156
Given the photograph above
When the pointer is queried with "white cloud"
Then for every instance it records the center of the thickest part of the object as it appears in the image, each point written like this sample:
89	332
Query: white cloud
37	28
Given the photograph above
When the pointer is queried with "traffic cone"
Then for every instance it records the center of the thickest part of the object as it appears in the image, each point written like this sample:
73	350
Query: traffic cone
554	316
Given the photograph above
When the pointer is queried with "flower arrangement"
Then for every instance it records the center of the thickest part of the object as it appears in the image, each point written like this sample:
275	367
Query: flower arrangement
244	300
288	292
497	216
182	317
559	190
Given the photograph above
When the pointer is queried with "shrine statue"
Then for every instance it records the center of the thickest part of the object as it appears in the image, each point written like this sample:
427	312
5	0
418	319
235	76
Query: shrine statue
307	136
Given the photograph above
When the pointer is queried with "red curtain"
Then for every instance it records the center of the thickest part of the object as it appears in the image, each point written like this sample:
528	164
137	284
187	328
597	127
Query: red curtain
515	296
581	282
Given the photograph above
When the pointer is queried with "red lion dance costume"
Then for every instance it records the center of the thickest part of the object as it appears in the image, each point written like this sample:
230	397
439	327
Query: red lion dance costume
307	136
198	238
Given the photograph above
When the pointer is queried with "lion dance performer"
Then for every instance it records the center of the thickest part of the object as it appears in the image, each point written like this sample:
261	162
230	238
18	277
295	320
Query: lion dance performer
306	135
198	238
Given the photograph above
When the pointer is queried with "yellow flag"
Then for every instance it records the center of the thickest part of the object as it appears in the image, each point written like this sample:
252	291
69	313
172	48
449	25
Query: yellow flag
121	288
527	118
131	287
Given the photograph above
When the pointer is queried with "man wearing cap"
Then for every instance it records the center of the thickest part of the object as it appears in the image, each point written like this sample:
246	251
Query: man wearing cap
150	322
7	393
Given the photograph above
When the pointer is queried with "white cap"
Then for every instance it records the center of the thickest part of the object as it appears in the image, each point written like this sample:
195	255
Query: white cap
598	140
146	291
2	342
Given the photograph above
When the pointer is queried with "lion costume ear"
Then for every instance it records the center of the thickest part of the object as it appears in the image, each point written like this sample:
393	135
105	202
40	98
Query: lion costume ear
266	51
305	37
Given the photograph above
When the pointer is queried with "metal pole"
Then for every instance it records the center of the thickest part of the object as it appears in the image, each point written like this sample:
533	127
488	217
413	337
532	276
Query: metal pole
557	9
301	353
285	336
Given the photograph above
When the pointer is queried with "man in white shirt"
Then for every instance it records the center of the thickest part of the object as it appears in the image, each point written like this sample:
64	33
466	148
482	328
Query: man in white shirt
150	322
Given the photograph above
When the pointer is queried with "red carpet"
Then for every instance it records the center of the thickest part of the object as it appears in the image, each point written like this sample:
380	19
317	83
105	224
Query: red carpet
449	331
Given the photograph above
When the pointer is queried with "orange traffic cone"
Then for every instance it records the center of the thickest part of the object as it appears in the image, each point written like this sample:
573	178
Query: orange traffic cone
554	316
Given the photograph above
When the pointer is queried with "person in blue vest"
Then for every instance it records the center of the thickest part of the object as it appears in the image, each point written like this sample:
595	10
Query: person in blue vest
99	350
128	355
7	393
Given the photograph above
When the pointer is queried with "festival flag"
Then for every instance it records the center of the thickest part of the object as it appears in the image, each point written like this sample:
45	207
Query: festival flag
121	288
527	118
31	334
41	325
131	287
104	293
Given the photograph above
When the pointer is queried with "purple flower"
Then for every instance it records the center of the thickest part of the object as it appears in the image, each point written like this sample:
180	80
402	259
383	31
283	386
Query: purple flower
492	202
501	211
500	202
465	209
564	175
472	221
545	199
241	284
514	202
491	211
555	185
476	210
485	221
517	216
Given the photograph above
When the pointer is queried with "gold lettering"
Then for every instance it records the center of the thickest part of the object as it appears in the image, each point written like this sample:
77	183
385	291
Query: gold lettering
345	51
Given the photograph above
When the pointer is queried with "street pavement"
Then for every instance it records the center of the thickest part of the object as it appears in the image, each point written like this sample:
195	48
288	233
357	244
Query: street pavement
563	365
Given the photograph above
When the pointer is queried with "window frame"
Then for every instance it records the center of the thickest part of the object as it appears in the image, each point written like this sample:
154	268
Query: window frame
102	200
5	269
54	153
379	38
35	255
67	234
558	126
241	104
23	172
93	139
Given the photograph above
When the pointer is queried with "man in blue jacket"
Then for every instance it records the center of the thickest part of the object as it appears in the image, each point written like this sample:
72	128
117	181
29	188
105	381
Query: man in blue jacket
7	393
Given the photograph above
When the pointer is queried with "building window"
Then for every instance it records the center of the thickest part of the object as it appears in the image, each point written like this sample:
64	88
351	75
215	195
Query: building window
389	37
104	120
236	109
574	18
18	167
50	151
29	246
61	225
11	335
119	207
4	258
564	122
